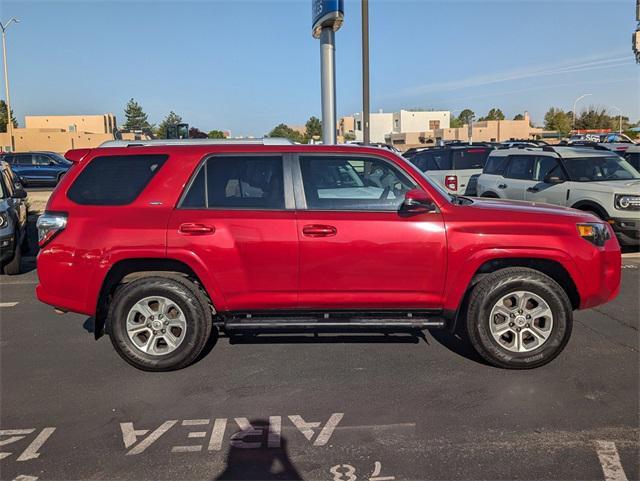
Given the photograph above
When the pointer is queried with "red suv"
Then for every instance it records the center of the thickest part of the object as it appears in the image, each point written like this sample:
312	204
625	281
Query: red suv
164	242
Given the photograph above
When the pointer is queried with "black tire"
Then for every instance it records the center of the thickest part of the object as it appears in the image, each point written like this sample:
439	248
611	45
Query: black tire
12	267
501	283
187	296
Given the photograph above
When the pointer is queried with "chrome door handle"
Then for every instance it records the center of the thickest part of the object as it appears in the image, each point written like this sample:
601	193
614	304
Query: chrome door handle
502	186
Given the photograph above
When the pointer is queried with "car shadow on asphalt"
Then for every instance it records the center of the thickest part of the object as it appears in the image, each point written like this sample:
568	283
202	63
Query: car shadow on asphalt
246	461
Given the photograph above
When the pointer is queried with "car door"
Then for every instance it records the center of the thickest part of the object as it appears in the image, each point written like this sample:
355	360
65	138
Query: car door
238	219
518	177
356	249
546	167
46	168
17	204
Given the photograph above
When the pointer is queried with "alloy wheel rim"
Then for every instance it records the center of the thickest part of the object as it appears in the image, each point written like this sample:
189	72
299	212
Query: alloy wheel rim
156	325
521	321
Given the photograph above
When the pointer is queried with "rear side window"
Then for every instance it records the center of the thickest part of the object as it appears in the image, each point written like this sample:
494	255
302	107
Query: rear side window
425	161
469	158
520	167
114	180
253	182
495	165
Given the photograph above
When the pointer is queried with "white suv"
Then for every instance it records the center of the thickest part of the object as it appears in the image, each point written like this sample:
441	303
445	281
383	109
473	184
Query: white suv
596	181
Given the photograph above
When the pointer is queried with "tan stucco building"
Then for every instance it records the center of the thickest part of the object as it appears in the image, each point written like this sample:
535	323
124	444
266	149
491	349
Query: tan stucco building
485	131
59	133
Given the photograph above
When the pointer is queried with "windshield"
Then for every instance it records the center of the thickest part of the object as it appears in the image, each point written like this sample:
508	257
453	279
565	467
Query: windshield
594	169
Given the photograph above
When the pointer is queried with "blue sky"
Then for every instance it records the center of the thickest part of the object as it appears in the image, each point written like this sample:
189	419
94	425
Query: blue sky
249	65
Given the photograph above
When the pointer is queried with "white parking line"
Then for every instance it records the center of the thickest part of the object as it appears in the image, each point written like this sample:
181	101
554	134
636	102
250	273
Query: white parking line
9	304
610	461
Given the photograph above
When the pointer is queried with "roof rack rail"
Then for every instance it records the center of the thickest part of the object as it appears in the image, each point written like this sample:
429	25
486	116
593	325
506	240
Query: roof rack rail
184	142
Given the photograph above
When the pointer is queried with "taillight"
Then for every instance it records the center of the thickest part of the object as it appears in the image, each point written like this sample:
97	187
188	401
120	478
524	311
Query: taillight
451	182
49	225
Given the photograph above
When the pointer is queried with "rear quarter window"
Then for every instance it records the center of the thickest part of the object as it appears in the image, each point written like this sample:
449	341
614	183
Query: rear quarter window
114	180
495	165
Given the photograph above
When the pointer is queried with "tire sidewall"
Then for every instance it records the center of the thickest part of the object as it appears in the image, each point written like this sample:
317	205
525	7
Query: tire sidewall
192	309
558	338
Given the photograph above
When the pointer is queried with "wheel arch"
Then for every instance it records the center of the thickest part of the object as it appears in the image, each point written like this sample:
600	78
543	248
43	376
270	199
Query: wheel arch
127	270
489	194
552	268
593	206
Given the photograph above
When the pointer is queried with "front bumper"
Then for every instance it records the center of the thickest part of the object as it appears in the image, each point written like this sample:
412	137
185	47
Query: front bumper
627	230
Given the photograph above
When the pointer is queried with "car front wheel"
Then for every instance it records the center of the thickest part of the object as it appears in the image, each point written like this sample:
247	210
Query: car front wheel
518	318
159	323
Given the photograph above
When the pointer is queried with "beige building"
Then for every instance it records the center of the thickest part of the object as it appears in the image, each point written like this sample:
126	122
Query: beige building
94	124
59	133
485	131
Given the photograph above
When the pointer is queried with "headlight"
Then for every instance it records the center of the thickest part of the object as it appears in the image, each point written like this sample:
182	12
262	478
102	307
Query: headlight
3	220
597	234
627	202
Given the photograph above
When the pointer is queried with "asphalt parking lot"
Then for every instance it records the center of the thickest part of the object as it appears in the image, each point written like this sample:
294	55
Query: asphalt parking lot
332	407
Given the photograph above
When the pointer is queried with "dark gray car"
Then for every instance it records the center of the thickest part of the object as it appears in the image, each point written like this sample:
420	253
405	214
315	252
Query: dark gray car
13	221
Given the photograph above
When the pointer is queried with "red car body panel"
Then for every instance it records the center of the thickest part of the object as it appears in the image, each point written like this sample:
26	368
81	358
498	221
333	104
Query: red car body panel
261	260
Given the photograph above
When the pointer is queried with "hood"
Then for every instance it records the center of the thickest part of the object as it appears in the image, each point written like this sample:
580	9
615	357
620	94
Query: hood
631	186
524	207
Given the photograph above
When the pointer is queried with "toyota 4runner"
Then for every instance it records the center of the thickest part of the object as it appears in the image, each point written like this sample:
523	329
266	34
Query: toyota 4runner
164	242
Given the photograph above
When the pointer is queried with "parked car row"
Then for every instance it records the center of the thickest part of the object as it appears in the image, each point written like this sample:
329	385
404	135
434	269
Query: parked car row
13	221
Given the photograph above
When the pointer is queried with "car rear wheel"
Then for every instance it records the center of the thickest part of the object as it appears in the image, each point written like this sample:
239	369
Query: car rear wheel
518	318
159	323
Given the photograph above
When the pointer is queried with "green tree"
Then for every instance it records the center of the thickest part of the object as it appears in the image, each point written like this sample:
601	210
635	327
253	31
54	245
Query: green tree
135	117
284	131
594	118
455	122
3	117
519	117
348	136
313	128
216	134
466	115
494	114
558	120
171	119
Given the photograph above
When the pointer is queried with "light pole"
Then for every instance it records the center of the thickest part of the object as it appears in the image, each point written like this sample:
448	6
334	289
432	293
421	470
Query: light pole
620	112
366	106
574	109
6	77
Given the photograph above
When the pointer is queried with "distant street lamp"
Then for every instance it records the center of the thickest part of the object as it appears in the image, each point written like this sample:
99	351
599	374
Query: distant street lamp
620	112
6	77
575	106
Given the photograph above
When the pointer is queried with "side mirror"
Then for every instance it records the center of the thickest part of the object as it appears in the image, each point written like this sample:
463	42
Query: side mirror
20	194
417	201
553	179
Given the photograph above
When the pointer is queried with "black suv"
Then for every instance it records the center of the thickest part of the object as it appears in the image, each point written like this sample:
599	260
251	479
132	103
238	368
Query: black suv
13	221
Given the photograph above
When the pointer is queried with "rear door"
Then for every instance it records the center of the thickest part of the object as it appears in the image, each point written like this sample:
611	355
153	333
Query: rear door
541	191
356	250
46	169
518	177
237	216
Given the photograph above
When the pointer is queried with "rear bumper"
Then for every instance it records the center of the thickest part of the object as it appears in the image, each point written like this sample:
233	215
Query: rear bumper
627	230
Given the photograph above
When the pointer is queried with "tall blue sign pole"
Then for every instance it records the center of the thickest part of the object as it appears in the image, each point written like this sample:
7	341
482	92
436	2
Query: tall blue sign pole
327	18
